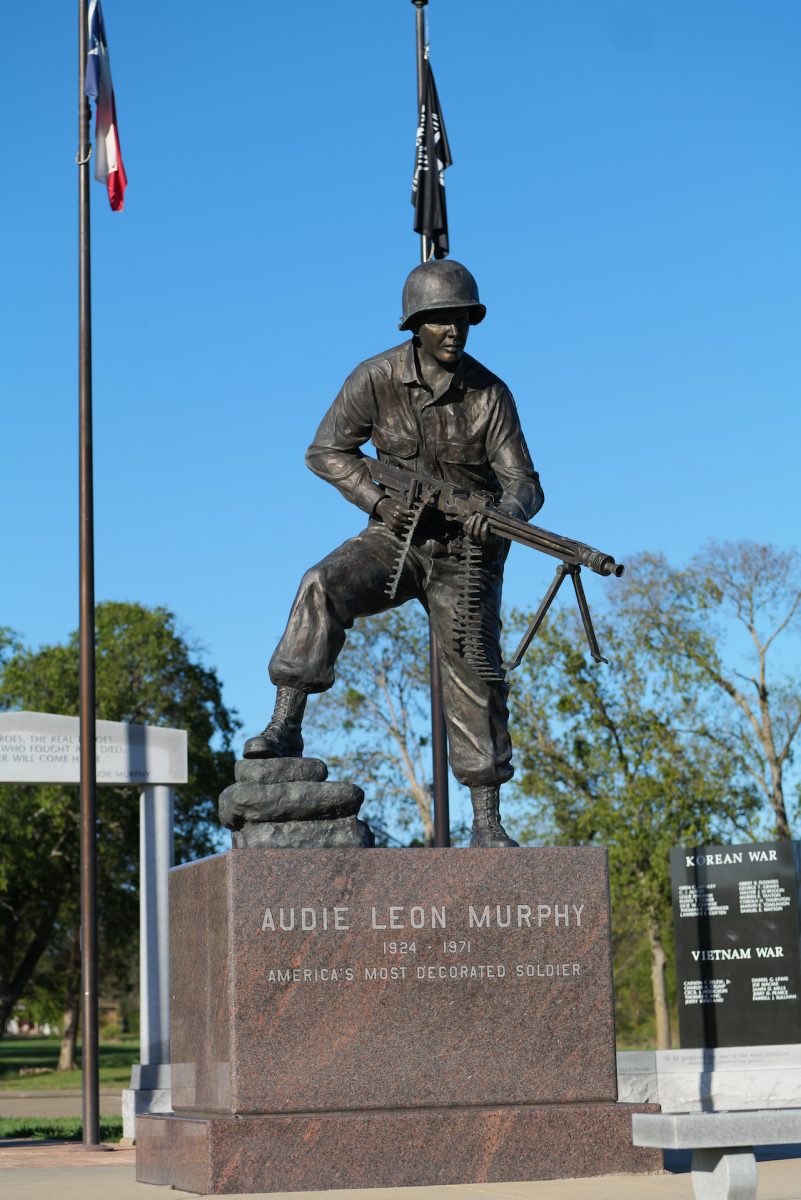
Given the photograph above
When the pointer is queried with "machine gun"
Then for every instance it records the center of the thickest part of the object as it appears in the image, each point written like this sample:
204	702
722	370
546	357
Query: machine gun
420	492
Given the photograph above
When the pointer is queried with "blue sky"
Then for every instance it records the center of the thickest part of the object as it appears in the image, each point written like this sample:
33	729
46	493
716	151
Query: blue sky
626	188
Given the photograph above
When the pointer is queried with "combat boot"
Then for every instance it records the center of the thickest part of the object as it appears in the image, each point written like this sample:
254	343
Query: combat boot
282	737
487	829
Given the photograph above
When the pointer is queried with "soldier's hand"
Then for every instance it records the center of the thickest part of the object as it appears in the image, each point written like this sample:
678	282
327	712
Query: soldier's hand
477	527
394	514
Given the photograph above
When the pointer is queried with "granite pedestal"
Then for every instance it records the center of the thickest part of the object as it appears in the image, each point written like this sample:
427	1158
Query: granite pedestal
345	1018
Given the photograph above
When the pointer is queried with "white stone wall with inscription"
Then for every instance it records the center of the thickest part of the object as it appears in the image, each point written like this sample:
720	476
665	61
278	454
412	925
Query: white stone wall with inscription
44	748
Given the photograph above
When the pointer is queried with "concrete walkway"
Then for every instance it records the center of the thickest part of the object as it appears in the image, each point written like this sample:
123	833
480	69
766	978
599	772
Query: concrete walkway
57	1104
71	1173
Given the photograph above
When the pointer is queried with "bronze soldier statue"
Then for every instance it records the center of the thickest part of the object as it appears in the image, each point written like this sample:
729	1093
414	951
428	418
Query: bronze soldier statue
428	407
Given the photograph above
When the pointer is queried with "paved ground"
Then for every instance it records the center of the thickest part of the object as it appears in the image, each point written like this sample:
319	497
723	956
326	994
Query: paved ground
56	1104
72	1173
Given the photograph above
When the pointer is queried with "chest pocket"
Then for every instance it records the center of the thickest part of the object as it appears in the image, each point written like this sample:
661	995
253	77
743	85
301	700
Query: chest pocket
391	441
462	454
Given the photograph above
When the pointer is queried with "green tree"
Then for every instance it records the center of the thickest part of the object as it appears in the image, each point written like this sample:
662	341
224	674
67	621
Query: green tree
611	756
147	672
725	622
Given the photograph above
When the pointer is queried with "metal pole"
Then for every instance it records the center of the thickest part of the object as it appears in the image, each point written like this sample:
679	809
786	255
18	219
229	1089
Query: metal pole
88	838
420	31
439	736
156	839
439	748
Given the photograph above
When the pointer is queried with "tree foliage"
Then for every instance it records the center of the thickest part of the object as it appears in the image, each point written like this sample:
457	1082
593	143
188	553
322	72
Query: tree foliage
724	624
147	672
613	756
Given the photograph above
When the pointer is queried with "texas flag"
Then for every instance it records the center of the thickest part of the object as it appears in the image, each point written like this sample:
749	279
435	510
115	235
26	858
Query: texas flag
108	156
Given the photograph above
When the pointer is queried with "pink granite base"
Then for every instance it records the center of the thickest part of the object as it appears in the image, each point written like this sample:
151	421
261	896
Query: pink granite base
421	1147
352	1019
423	979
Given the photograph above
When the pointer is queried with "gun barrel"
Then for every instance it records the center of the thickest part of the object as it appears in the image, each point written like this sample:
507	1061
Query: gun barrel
602	564
554	544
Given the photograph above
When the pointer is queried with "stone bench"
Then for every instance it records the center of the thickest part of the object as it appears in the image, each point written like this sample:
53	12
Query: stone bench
723	1163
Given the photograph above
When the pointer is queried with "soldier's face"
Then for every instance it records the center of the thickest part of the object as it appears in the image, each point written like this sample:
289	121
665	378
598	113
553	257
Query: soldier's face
445	335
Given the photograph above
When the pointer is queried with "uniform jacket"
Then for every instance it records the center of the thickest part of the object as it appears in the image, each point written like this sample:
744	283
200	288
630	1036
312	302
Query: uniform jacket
467	433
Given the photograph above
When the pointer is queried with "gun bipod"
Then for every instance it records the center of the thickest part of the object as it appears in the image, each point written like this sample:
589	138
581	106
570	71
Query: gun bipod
564	569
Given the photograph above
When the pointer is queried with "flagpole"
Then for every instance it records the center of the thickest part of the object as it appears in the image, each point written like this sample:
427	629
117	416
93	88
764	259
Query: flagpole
420	31
439	736
88	789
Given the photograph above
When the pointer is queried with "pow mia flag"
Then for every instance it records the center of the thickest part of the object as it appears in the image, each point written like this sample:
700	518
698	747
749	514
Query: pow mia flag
433	156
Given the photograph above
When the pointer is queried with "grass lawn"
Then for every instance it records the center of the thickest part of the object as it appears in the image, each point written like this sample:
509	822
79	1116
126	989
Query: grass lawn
57	1127
116	1059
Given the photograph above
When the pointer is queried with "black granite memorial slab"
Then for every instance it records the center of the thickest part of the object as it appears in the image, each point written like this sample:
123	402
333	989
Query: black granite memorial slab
738	948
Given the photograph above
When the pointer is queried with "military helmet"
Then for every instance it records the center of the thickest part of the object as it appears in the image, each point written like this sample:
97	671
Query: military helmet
440	283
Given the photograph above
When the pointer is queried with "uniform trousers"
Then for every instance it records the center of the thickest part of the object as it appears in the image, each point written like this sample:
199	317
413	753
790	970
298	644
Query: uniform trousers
351	582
